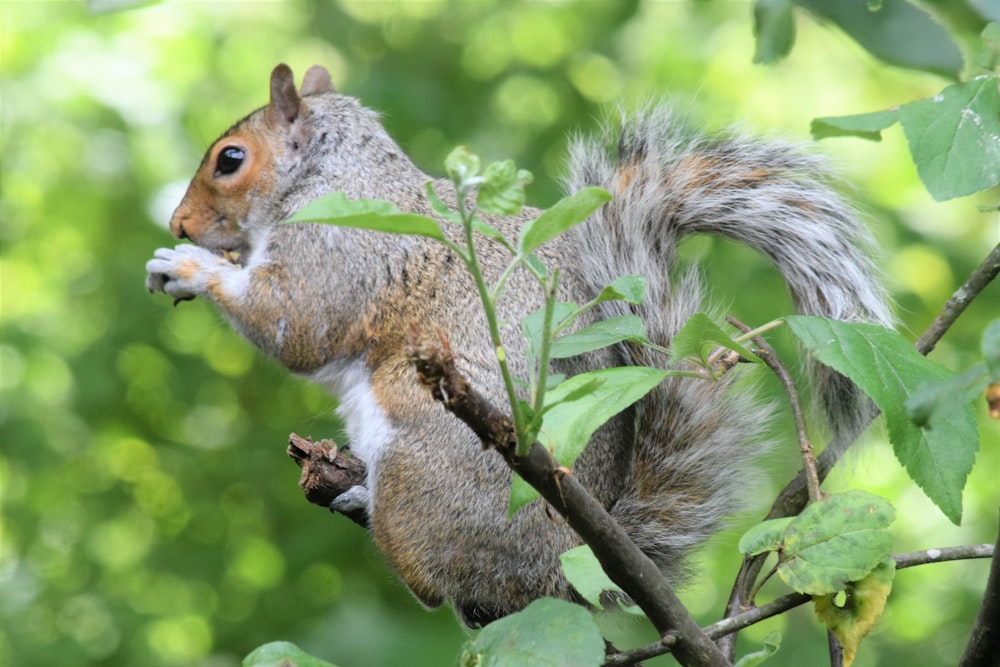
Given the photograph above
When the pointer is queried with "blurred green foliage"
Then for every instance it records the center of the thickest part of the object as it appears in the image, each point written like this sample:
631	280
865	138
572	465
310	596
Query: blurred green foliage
150	515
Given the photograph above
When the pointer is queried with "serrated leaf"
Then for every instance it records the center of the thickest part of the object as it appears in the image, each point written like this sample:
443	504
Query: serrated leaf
864	604
572	416
502	190
336	209
932	400
990	346
699	335
899	33
887	367
863	125
585	574
599	334
774	30
546	633
836	540
282	654
765	536
954	138
771	645
628	288
565	214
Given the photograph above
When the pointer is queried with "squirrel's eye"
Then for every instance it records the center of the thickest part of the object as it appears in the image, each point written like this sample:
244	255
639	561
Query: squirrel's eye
229	160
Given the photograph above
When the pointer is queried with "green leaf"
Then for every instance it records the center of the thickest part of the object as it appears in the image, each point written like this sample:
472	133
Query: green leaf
440	208
546	633
566	213
521	493
502	191
628	288
899	33
887	367
863	605
571	418
863	125
771	645
834	541
599	334
461	165
584	572
932	400
990	346
774	29
532	324
337	209
699	335
954	138
571	415
988	54
282	654
765	536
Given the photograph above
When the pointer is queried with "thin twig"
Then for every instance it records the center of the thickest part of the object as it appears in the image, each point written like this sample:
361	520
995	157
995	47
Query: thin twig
770	357
959	301
729	626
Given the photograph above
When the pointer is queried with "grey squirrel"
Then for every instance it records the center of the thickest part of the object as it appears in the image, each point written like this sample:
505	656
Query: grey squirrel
336	306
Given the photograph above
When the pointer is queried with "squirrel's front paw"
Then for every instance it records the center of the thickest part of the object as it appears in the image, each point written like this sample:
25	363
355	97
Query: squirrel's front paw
183	272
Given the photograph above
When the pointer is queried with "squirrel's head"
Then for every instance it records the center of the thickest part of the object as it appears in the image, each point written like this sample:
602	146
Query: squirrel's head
232	192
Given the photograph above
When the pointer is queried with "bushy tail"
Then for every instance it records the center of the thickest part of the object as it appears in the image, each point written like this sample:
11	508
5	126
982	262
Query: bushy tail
668	182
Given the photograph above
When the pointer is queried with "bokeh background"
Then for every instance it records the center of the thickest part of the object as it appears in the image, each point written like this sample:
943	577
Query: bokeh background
149	513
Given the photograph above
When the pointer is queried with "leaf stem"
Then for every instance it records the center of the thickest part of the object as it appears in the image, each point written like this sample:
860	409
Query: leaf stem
543	356
489	306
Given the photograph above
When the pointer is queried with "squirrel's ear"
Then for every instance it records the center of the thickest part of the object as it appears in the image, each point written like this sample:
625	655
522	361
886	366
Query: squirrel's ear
316	80
285	101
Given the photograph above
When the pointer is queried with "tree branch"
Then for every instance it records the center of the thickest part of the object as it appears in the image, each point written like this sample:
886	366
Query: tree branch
983	648
959	301
621	559
328	473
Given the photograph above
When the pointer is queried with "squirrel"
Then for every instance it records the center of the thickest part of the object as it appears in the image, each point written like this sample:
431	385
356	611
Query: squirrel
336	305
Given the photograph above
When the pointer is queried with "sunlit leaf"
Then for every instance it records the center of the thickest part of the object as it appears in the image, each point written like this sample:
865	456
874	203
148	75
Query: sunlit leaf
599	334
836	540
863	126
565	214
547	633
336	209
282	654
699	335
765	536
954	138
887	367
863	605
502	190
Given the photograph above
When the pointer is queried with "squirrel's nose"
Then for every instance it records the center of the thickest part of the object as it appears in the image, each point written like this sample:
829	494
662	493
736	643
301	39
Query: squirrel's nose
177	227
